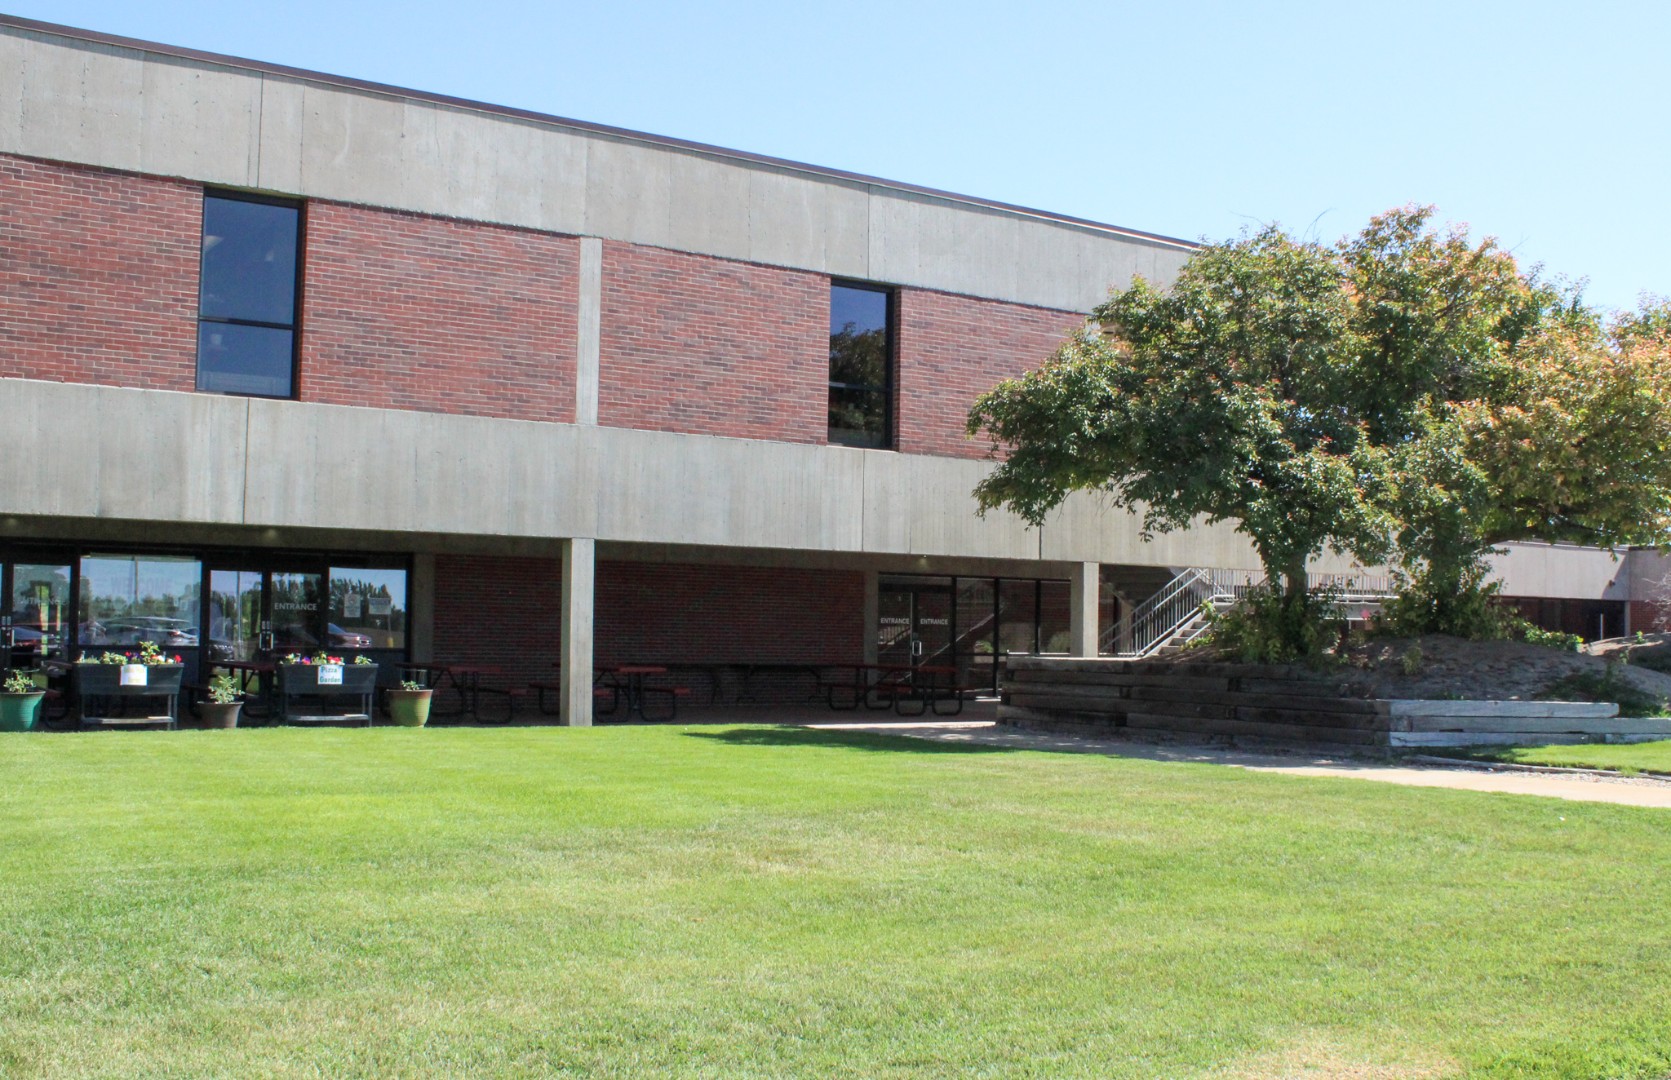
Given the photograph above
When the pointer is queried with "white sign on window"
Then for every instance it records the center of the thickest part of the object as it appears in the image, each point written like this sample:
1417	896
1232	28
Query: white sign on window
134	675
351	605
381	605
330	674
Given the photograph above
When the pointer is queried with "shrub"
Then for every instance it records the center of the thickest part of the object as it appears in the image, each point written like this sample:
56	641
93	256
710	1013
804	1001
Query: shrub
1268	627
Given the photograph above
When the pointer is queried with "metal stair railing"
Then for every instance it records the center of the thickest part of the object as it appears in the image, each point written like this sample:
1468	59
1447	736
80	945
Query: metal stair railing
1177	607
1150	623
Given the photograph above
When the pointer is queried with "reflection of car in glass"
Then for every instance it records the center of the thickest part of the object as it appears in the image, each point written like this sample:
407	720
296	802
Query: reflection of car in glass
348	639
27	643
294	637
166	633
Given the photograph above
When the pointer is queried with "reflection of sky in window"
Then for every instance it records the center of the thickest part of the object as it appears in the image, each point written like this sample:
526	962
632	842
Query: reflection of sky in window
249	261
866	309
381	583
134	579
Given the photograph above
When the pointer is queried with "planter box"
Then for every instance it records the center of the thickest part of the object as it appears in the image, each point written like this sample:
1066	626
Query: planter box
321	683
108	688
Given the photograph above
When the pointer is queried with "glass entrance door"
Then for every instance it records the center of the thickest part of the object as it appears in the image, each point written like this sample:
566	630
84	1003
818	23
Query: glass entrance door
236	606
34	624
256	614
915	623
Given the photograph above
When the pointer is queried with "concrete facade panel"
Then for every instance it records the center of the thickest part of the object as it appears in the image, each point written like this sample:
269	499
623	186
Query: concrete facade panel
846	230
708	206
892	247
323	466
924	506
353	150
1053	255
1087	528
82	102
662	488
220	108
279	135
628	192
140	455
1561	570
13	56
145	455
788	219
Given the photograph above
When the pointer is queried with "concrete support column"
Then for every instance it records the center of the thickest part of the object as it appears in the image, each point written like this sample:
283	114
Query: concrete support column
420	607
579	587
1082	606
589	323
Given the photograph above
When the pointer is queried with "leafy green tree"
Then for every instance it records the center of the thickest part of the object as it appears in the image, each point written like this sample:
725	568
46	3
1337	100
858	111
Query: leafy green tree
1406	392
1219	399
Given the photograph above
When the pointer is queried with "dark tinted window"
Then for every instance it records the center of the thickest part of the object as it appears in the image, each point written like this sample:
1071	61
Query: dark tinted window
861	365
247	307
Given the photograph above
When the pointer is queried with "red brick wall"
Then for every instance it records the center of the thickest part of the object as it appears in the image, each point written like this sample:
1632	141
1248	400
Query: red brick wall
702	345
502	611
98	276
953	349
410	312
650	612
506	612
1650	616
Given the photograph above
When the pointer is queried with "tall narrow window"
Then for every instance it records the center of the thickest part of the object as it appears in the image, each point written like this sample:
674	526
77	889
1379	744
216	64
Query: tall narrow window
246	328
861	365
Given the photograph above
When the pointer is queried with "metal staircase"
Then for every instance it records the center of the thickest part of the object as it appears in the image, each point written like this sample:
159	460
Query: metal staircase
1181	611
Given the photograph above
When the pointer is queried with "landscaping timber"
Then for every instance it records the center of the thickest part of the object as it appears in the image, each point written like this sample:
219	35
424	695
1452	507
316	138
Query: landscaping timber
1283	703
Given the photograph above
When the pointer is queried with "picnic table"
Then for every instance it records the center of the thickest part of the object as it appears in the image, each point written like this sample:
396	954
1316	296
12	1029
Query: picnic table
628	680
883	686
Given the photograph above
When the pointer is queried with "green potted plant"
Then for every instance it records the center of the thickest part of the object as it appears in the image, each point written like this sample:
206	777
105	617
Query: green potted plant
409	705
20	702
224	704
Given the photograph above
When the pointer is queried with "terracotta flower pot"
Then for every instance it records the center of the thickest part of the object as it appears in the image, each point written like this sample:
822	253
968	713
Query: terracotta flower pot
409	708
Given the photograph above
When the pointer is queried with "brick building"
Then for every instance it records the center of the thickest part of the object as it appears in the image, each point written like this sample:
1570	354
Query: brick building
292	359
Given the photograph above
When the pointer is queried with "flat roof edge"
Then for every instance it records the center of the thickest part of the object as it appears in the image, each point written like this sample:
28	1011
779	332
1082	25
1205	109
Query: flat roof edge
265	68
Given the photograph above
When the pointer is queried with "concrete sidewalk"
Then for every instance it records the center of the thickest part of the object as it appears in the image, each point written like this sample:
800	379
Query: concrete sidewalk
1626	791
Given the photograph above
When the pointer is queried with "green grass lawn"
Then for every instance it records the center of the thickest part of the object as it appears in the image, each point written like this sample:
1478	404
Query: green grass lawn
736	902
1649	757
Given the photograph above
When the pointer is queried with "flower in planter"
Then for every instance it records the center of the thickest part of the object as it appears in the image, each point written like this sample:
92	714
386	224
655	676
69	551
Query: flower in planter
20	683
319	658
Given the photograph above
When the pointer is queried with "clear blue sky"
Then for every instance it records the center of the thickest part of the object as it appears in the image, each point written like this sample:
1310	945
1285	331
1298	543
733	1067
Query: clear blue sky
1543	124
